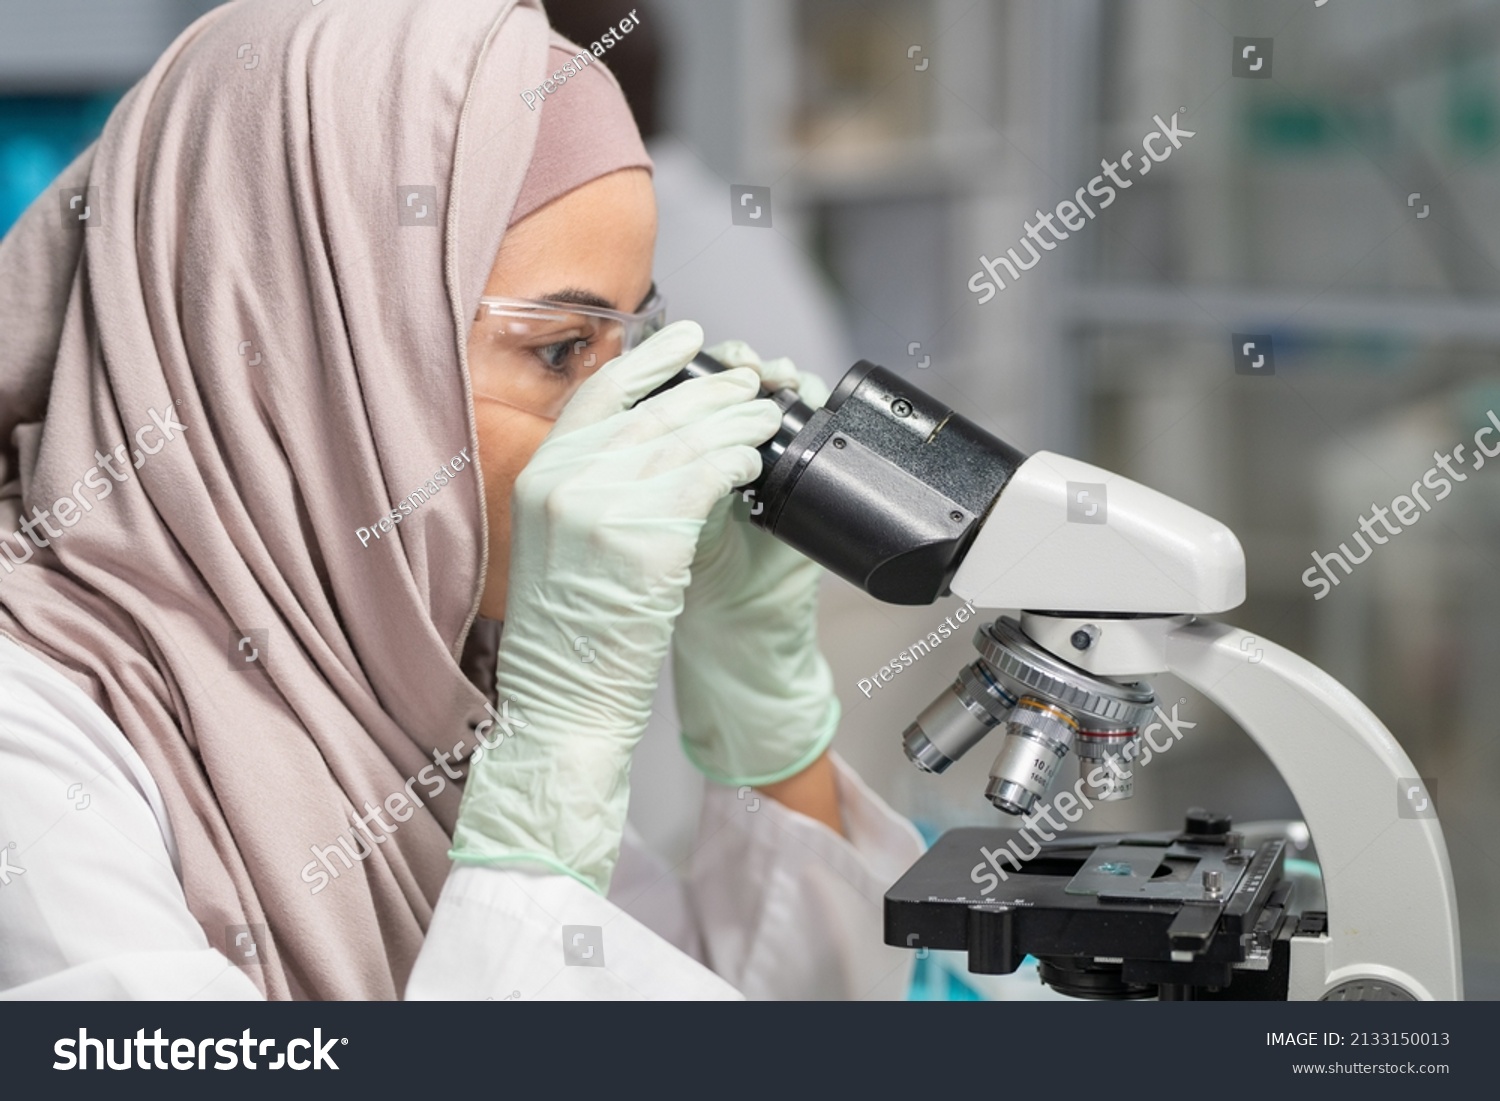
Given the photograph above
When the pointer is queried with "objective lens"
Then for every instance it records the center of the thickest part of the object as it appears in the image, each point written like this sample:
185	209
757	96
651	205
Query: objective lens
1037	738
954	723
1102	756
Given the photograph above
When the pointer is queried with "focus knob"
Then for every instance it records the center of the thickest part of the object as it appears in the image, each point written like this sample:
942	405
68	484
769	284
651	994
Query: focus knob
1206	823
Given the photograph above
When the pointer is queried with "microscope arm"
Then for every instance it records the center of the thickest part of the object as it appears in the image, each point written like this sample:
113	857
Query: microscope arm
1391	909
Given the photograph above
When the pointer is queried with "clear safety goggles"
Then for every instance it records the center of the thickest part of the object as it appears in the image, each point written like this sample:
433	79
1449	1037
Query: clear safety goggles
533	354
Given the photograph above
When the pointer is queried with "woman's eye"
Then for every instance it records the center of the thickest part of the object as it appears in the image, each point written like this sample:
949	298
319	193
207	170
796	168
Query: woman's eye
555	356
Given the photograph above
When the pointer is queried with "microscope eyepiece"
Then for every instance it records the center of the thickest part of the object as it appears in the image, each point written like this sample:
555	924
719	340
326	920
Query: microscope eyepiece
884	485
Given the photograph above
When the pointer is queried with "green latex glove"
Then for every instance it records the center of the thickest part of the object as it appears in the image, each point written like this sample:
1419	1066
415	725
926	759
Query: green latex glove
606	520
754	693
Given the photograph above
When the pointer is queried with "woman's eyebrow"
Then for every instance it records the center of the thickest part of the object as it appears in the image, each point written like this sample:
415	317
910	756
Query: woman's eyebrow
576	296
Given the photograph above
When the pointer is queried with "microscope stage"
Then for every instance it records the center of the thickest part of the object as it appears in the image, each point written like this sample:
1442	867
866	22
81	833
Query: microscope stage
1108	915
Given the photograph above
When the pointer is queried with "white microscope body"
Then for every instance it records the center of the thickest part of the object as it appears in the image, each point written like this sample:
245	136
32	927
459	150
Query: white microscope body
1067	535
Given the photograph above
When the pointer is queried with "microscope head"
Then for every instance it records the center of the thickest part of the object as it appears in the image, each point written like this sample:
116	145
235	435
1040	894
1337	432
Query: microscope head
1063	534
908	500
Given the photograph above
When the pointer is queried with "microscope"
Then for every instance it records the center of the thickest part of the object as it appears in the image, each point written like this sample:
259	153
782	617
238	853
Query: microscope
1102	582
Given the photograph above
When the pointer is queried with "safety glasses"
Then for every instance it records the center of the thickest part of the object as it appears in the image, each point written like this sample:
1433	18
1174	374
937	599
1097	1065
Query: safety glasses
533	354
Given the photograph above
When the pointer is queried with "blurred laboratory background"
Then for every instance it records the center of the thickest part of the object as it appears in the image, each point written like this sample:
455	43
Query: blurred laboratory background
1340	202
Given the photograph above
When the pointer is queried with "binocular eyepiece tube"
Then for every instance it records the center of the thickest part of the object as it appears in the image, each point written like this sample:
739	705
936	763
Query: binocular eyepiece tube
884	485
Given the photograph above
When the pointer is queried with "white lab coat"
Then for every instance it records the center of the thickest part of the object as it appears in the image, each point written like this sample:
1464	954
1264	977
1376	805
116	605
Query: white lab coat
770	904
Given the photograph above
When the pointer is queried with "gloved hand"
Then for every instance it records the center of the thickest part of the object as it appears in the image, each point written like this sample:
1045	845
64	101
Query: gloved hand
606	518
754	693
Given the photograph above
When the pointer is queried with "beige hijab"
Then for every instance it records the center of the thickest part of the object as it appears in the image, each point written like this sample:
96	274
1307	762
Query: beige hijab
247	273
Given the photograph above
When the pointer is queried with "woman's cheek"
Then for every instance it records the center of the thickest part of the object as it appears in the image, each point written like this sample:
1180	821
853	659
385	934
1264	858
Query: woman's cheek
508	438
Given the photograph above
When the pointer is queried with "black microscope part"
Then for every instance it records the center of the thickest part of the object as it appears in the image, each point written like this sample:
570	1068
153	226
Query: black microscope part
885	485
1100	945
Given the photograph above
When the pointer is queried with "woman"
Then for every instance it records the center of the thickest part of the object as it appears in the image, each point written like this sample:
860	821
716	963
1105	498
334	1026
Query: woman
279	446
